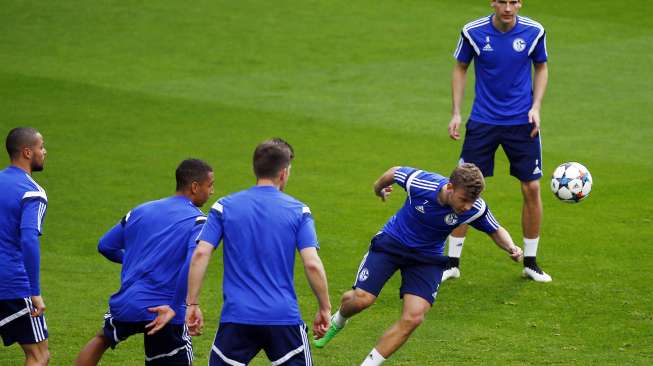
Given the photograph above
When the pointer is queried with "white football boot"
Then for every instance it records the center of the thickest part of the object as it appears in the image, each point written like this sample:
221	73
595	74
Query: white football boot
536	274
453	272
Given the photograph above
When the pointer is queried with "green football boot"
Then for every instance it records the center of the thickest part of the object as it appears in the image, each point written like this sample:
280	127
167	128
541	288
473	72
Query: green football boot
333	330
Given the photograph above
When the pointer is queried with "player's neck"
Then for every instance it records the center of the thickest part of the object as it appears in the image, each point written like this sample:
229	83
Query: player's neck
22	165
266	182
442	197
503	27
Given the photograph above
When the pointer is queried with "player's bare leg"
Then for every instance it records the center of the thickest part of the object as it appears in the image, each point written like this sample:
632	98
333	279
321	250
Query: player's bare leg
351	303
412	315
36	354
91	354
456	240
531	223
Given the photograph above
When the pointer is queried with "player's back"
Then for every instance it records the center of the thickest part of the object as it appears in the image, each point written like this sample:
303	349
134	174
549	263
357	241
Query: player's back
261	236
156	237
17	188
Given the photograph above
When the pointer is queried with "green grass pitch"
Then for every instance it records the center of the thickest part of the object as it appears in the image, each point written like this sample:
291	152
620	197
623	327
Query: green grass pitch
124	90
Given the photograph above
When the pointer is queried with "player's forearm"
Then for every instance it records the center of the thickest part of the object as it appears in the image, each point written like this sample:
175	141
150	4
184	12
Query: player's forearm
31	258
458	80
541	79
198	265
316	276
502	239
386	179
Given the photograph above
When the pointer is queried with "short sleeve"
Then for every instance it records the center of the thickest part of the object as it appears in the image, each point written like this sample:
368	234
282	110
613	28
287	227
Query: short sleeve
485	221
401	175
539	54
213	228
306	235
464	50
33	214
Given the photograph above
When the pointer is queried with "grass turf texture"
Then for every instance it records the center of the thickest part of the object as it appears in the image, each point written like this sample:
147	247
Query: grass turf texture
123	92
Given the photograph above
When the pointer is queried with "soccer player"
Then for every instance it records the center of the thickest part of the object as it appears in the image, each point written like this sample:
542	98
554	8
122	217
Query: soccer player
22	207
506	112
261	229
154	243
412	241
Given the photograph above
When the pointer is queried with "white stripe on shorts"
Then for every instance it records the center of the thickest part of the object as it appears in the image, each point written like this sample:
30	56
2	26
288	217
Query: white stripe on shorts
225	358
174	352
13	316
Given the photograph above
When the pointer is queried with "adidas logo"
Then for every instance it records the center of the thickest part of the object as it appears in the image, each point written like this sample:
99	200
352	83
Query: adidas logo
420	208
537	170
488	48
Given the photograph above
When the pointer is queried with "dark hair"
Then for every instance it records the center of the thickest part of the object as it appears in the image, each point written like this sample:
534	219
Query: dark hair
271	156
191	170
468	177
18	138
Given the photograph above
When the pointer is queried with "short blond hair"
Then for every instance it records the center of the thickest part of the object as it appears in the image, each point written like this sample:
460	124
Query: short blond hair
468	177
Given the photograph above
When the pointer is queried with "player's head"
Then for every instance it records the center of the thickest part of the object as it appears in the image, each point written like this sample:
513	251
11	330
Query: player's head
195	180
272	160
506	10
26	148
465	185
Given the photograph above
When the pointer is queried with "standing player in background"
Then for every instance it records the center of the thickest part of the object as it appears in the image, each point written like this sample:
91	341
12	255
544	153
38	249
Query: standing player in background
154	242
412	241
261	228
506	112
22	208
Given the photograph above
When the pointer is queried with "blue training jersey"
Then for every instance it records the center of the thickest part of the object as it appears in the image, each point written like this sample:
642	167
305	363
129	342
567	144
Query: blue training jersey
261	229
425	224
504	85
22	207
154	243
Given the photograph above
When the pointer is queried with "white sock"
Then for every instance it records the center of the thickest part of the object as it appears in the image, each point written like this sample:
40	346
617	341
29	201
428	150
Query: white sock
530	247
373	359
338	319
455	246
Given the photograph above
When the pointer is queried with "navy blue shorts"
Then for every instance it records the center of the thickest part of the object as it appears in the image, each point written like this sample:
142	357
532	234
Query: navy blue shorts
171	345
524	152
18	326
421	272
237	344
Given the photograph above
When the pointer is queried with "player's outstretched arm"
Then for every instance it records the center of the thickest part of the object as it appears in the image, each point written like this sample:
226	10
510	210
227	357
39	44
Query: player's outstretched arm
383	185
502	238
198	265
458	80
316	275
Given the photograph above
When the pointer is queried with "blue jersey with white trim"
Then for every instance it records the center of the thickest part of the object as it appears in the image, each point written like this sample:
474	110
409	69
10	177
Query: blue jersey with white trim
23	204
502	61
422	222
261	229
157	239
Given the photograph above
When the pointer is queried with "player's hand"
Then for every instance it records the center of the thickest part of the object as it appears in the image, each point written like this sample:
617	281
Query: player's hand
516	253
384	193
194	320
321	323
534	119
165	315
38	306
454	127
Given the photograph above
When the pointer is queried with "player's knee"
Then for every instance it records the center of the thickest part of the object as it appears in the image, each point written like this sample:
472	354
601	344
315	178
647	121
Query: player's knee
364	299
531	189
412	320
38	356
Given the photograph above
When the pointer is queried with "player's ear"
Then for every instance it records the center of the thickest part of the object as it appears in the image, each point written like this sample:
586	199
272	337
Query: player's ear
194	187
27	152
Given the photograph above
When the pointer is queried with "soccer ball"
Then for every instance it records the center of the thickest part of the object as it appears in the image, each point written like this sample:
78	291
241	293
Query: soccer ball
571	182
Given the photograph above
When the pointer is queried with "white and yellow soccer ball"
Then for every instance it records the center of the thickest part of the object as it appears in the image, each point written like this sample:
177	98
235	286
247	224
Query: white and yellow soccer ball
571	182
